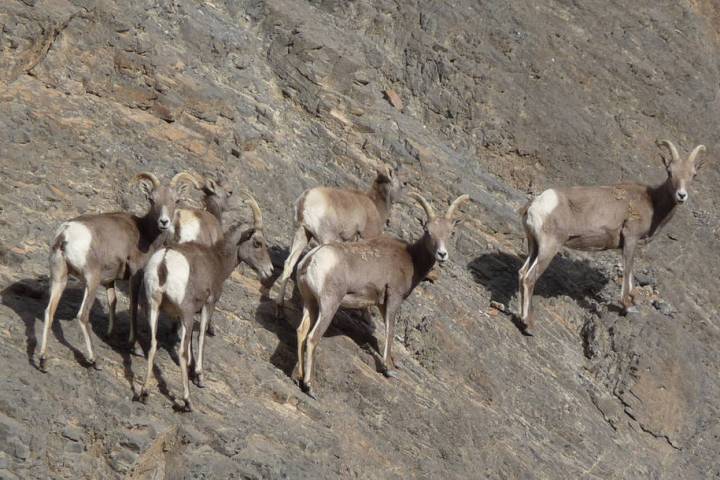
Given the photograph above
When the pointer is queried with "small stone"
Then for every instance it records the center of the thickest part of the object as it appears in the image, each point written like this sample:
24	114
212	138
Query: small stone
394	99
74	447
7	475
663	307
122	460
498	306
72	433
644	278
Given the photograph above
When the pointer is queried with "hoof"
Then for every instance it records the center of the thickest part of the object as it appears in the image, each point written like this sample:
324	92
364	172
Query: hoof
631	309
211	330
307	389
199	380
186	407
529	331
94	364
42	365
141	397
390	373
137	350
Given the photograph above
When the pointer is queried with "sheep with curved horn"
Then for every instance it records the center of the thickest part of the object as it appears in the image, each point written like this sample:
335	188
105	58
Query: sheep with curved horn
188	278
601	218
102	248
339	215
382	271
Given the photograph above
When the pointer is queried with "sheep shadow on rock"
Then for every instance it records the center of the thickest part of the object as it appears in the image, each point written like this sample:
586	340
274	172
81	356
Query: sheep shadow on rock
28	299
346	322
578	279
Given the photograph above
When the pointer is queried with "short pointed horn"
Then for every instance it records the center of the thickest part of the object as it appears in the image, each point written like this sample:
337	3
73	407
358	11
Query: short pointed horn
673	149
147	176
698	149
454	205
188	177
257	213
424	203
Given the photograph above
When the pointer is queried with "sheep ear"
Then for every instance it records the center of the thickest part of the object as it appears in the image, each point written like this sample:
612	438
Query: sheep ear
211	187
666	161
383	173
147	188
246	235
183	189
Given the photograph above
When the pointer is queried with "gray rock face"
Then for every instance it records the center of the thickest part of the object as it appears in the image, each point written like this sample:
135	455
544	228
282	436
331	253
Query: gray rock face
495	99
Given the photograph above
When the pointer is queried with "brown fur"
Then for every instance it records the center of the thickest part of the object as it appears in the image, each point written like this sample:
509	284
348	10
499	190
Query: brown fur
619	216
340	215
382	271
120	245
209	268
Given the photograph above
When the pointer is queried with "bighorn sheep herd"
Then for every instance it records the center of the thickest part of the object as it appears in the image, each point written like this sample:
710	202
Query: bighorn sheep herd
181	257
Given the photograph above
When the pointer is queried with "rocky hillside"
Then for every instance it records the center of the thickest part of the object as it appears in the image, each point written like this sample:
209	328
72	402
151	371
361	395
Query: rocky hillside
497	99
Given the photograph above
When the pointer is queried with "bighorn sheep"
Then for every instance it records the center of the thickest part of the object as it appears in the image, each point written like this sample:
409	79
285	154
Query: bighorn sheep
102	248
204	226
339	215
382	271
188	278
600	218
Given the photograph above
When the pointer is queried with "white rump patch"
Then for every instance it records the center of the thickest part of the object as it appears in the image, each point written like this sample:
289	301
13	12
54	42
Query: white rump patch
189	226
78	238
314	210
177	278
322	261
541	208
150	277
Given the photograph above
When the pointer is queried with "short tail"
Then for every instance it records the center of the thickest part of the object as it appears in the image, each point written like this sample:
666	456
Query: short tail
59	240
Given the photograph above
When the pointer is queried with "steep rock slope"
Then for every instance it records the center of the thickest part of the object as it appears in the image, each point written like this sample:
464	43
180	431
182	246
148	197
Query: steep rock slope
496	99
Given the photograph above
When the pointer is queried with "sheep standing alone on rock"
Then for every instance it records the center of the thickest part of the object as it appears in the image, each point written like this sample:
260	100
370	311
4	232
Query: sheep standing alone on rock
339	215
103	248
600	218
382	271
188	278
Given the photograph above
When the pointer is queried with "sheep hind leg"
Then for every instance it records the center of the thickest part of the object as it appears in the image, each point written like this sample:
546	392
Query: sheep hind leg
302	333
205	318
522	273
153	313
324	318
58	281
300	241
546	253
185	340
112	304
91	284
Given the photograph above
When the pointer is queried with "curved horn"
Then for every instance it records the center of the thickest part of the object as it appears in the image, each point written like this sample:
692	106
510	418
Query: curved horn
454	205
147	176
698	149
672	148
424	203
257	214
187	176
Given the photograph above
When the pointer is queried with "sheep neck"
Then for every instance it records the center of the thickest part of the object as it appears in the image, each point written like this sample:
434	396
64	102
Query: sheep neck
423	259
663	201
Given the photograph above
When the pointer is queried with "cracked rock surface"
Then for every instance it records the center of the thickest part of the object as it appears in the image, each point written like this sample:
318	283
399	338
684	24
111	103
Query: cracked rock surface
495	99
